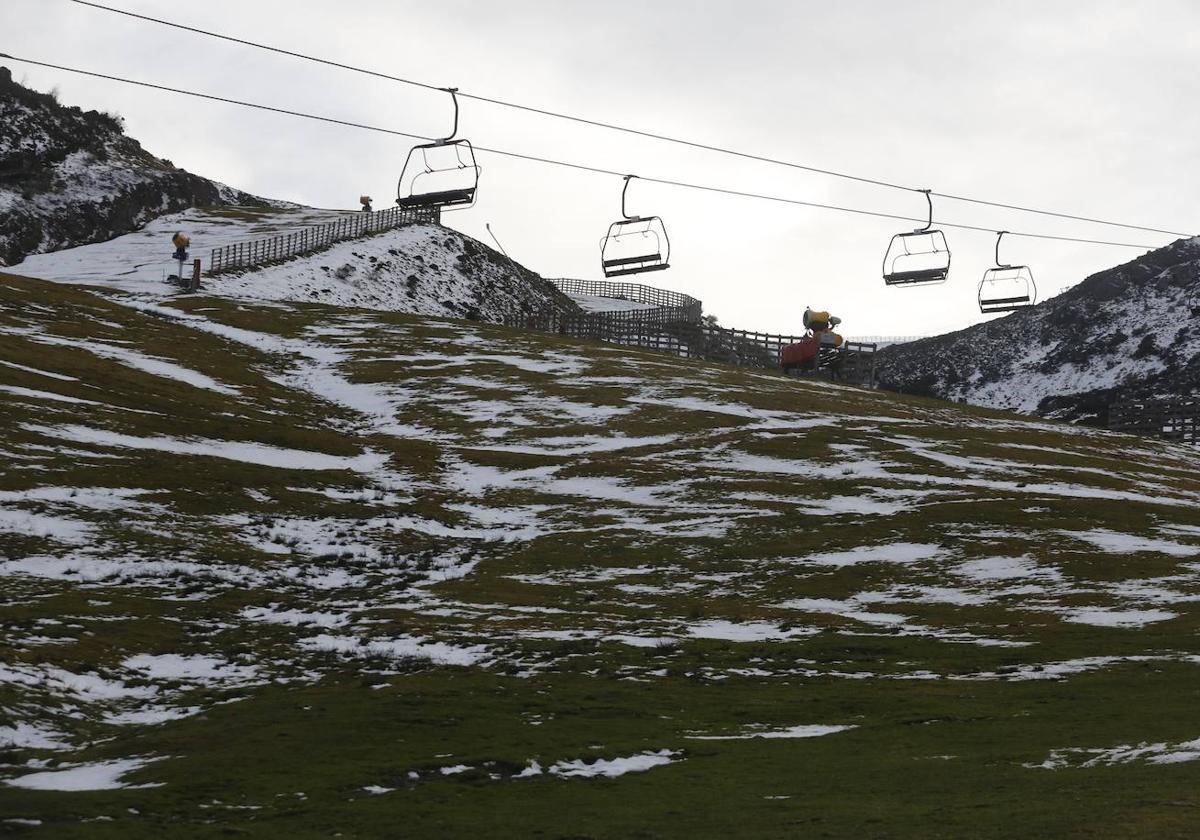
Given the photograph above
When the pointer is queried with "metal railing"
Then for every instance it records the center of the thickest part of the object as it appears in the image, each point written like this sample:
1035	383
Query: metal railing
259	252
635	292
882	340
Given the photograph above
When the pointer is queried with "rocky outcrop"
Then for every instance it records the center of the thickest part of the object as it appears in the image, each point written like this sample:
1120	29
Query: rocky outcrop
71	177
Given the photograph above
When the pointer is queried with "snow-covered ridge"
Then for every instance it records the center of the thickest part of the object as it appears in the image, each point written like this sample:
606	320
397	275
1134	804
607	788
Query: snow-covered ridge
1126	332
421	269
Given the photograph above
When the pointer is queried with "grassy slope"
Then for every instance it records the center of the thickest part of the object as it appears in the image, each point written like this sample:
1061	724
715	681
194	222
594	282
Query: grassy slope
944	723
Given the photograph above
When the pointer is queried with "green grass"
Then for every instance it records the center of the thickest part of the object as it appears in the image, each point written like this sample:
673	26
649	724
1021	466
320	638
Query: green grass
570	549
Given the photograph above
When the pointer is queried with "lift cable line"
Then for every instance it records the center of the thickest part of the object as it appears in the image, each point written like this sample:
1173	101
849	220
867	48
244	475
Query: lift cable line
625	129
568	164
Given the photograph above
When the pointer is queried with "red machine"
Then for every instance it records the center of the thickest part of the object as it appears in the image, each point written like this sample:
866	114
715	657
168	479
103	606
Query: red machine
795	355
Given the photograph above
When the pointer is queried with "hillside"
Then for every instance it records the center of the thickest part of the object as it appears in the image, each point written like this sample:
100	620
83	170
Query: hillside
288	569
70	177
427	269
1126	332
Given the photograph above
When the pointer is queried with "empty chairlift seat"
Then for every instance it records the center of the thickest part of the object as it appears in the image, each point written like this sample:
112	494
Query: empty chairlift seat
1006	288
919	257
634	244
440	174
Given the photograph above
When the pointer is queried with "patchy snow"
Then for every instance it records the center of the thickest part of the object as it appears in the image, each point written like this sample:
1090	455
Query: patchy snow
759	731
295	618
1181	530
641	641
611	768
1157	753
450	270
423	268
843	609
142	362
151	715
1108	617
140	261
903	553
80	567
32	394
400	647
747	631
766	419
919	594
989	569
59	376
1115	542
1058	670
193	668
244	451
100	775
88	687
531	770
579	445
62	529
28	736
91	498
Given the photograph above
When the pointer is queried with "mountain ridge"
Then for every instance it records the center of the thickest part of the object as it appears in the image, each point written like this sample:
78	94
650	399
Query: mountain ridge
71	177
1125	332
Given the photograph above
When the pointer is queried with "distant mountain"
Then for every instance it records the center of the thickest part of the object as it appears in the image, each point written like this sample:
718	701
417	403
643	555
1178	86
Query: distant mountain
1130	331
70	177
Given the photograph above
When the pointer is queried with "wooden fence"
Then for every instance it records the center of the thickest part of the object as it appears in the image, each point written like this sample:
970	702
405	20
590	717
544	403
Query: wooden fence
669	330
1170	419
243	255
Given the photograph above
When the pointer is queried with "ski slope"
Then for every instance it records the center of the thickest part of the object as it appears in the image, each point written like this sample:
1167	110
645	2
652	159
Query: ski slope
270	563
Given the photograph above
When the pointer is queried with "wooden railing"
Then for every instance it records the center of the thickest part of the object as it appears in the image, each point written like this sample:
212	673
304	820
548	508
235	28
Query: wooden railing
672	330
1171	419
258	252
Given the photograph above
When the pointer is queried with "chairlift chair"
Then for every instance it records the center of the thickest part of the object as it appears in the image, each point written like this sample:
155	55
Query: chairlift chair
918	258
440	174
1006	288
634	244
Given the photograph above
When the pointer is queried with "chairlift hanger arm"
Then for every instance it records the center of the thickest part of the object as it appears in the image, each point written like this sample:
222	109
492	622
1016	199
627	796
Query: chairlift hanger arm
454	98
624	193
929	199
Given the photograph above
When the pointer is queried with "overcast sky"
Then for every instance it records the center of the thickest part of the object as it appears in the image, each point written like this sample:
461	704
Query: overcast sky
1086	107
